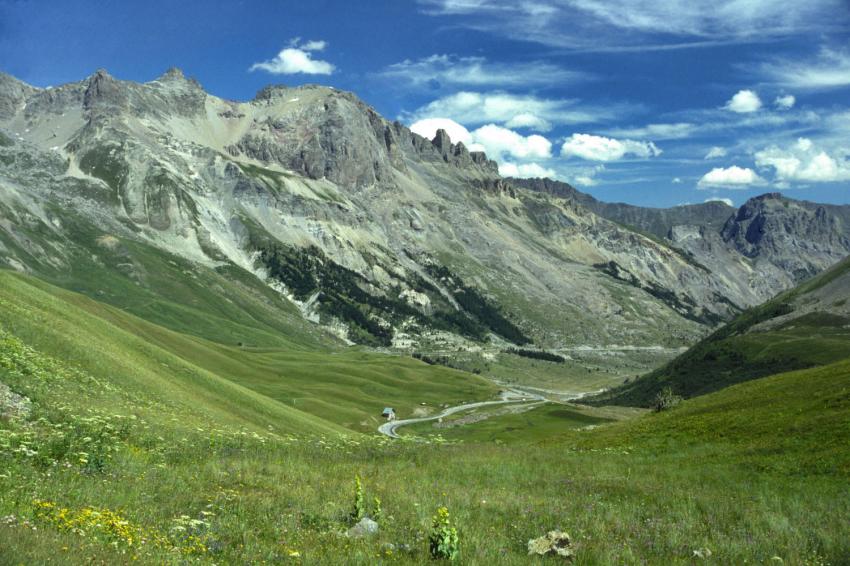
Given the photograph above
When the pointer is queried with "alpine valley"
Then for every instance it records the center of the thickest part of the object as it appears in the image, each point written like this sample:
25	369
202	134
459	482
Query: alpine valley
205	304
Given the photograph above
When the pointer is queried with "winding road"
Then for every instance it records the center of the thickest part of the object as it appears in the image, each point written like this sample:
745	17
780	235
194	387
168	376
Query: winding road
510	396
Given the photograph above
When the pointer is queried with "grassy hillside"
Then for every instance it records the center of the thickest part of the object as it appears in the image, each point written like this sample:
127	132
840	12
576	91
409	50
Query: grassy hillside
347	387
134	452
808	334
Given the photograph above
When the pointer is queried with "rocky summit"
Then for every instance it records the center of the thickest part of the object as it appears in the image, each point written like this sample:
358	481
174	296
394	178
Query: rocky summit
378	235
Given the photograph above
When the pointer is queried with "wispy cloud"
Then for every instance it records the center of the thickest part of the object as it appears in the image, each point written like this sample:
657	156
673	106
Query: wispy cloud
437	71
297	58
829	69
673	131
515	111
716	152
642	24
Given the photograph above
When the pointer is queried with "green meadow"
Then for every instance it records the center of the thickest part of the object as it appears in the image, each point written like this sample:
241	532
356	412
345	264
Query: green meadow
144	443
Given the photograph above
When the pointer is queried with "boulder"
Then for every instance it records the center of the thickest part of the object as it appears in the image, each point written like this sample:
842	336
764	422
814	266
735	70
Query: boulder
366	527
555	543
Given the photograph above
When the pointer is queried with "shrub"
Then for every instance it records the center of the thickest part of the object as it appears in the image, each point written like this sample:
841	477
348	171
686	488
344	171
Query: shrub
359	510
443	540
536	354
665	399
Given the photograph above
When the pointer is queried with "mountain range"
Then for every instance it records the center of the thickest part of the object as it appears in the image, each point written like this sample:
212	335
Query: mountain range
305	206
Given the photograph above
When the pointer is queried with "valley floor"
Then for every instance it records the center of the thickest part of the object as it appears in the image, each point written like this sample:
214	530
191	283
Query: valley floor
127	443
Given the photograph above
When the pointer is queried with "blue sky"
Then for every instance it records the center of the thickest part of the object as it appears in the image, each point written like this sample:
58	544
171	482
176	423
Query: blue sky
653	102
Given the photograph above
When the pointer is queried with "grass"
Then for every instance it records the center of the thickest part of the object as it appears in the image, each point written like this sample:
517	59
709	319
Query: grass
532	425
346	387
739	352
141	446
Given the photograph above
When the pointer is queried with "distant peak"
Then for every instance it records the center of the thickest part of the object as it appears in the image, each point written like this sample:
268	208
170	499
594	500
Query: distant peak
442	141
172	74
100	74
270	92
175	76
7	78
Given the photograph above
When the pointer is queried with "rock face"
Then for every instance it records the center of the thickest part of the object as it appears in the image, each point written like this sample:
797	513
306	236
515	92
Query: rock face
657	221
12	405
802	238
554	543
384	236
771	242
13	94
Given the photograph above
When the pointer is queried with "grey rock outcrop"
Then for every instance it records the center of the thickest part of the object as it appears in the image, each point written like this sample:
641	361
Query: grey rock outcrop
364	528
168	166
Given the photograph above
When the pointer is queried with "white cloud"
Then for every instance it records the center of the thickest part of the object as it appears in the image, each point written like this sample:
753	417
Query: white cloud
599	148
606	25
297	58
805	162
744	102
586	176
511	110
314	45
504	145
830	69
674	131
715	152
499	142
428	127
785	102
529	120
451	70
676	180
733	177
727	201
526	170
584	181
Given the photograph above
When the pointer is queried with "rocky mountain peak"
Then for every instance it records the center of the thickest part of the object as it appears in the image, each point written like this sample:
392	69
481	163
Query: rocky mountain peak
172	74
769	225
103	91
442	142
13	92
270	92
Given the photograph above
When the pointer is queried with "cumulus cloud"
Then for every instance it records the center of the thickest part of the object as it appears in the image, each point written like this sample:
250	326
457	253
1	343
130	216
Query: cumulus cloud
830	69
733	177
676	180
428	127
438	71
502	144
726	201
785	102
806	163
511	110
599	148
526	170
499	141
715	152
744	102
297	58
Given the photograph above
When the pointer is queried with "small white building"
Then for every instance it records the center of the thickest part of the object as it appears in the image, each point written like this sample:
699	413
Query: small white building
389	413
